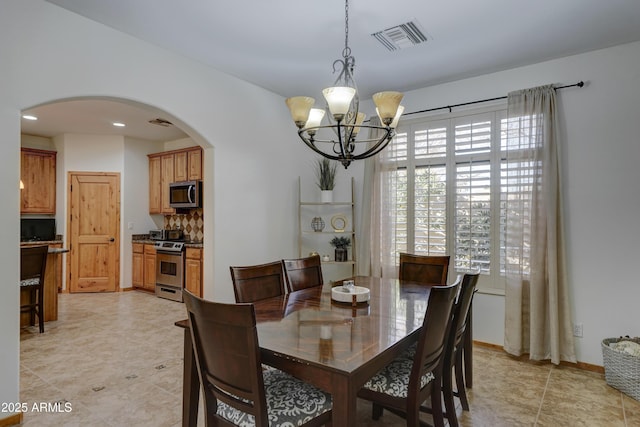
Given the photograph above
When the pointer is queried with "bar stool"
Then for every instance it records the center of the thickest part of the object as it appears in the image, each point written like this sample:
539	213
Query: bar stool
33	262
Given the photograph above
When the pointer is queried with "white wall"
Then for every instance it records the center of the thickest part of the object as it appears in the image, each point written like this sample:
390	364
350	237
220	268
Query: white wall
249	175
38	142
134	211
600	181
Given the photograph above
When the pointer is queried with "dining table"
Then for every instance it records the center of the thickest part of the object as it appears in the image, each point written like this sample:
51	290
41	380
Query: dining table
336	346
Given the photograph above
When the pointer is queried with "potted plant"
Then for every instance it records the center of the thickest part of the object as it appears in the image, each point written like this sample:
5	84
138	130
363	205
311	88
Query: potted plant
326	176
341	244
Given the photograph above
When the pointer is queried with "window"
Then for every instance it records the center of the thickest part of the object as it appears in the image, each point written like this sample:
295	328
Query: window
449	178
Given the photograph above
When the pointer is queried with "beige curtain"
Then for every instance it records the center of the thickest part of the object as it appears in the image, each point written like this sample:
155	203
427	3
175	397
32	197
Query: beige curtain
376	250
537	312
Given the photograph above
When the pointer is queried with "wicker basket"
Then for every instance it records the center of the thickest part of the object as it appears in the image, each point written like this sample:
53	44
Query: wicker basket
621	370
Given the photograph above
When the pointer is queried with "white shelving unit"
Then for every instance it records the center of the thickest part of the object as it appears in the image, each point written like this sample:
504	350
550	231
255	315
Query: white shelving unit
318	241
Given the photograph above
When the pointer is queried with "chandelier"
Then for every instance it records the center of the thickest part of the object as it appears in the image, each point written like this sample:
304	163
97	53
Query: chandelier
337	140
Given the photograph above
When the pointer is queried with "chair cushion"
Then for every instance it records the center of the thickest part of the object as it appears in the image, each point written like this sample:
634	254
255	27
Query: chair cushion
30	282
409	353
393	379
290	402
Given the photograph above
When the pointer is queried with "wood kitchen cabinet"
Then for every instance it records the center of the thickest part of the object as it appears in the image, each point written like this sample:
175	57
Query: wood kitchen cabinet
38	177
193	271
194	165
167	170
168	167
155	186
137	268
188	164
149	270
181	167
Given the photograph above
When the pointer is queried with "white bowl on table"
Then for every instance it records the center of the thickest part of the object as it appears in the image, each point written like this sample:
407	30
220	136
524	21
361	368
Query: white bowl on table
344	294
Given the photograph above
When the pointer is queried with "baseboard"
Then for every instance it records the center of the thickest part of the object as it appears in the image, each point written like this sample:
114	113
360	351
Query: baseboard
524	358
585	366
11	420
146	291
488	345
127	289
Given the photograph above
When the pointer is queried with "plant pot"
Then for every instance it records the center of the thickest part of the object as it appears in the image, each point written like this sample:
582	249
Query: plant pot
341	254
326	196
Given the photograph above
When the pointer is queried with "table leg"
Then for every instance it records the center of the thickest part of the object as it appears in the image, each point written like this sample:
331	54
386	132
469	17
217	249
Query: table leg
344	402
191	385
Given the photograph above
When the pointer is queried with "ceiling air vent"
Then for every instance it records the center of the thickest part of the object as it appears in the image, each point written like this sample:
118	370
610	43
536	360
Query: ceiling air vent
401	36
161	122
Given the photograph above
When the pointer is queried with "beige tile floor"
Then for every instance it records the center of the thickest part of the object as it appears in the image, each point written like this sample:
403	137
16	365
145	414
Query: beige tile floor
116	360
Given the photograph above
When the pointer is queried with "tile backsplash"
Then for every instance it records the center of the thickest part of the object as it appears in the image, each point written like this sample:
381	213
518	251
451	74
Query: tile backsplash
191	224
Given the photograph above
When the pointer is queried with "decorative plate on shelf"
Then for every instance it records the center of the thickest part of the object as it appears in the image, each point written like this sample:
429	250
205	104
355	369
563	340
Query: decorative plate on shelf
339	222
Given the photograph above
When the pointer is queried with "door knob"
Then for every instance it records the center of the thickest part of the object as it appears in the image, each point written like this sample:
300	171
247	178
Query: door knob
113	239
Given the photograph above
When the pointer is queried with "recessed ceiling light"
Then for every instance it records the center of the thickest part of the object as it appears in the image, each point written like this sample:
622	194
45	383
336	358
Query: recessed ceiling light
28	117
118	124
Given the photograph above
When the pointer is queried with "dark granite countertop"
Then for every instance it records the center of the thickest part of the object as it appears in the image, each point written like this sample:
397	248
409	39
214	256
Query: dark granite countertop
46	242
41	242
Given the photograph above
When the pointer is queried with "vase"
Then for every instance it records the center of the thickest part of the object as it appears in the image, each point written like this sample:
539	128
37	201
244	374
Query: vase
341	254
317	224
326	196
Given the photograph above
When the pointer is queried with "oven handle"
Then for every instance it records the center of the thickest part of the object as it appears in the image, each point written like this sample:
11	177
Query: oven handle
176	253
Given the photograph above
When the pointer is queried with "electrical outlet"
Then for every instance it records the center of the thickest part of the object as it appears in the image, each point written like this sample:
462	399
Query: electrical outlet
577	330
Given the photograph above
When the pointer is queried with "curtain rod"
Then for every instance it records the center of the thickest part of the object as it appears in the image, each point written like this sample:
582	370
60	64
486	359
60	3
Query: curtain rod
449	107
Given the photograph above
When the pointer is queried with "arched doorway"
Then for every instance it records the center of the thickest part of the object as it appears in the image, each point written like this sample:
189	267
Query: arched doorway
84	134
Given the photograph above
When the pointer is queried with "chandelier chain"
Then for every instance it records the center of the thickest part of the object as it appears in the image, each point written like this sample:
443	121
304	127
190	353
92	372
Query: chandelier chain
347	50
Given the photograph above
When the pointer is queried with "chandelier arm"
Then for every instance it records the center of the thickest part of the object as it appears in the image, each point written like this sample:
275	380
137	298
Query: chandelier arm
378	146
341	142
311	145
351	126
373	151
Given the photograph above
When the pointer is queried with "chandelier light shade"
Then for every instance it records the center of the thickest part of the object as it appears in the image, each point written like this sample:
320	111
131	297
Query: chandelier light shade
337	139
300	107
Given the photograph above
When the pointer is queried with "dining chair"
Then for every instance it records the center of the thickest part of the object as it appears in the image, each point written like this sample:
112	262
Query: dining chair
454	349
236	389
33	263
406	382
302	273
256	282
424	268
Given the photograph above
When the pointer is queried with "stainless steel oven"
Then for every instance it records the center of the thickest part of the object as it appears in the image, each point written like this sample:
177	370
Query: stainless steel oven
169	270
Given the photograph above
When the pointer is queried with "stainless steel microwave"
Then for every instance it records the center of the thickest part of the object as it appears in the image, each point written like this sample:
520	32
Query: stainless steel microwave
185	195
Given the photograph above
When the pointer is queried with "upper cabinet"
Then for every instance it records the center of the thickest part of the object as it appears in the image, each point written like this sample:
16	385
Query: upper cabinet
194	165
180	161
38	179
168	167
155	187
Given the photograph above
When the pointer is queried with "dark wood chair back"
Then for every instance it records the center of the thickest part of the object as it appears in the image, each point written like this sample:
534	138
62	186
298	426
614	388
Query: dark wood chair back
431	343
253	283
33	263
426	269
302	273
460	318
455	348
227	355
